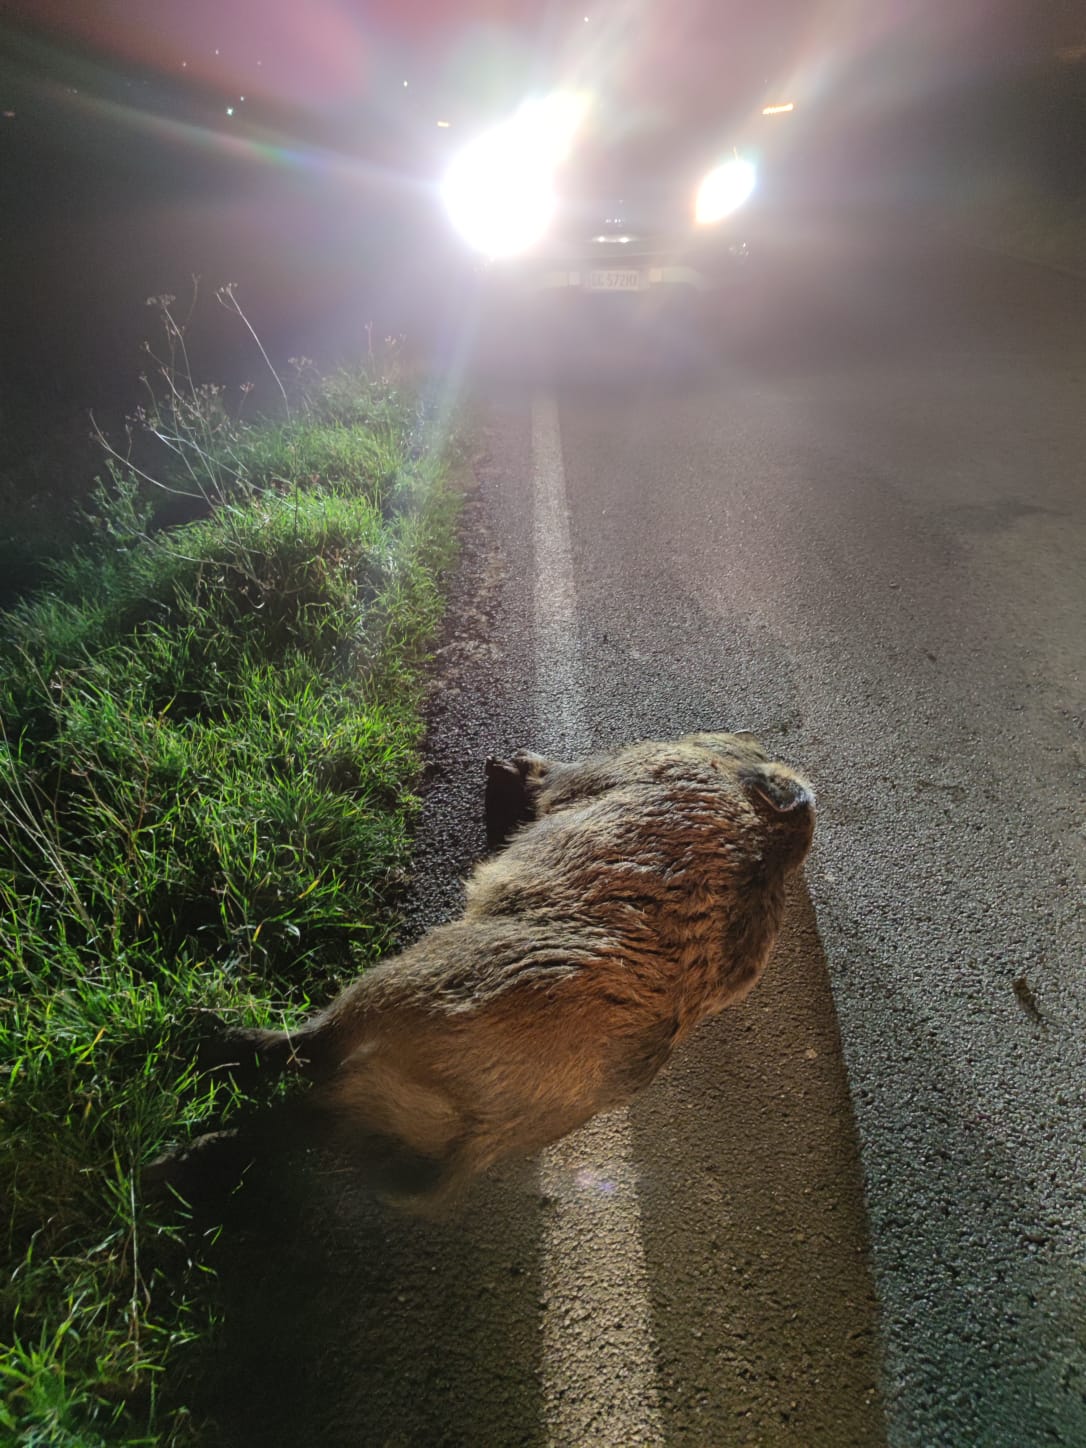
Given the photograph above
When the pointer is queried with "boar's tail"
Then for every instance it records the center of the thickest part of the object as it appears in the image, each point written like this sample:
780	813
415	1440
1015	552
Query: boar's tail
250	1054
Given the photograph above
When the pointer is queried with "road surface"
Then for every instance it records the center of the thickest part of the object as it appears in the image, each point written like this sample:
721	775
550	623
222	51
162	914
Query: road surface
852	1211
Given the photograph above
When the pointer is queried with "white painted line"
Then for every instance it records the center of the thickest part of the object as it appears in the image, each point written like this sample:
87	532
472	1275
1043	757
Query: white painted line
559	696
599	1379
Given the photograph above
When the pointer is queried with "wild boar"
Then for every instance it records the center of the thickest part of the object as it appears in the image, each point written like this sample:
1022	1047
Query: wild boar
641	891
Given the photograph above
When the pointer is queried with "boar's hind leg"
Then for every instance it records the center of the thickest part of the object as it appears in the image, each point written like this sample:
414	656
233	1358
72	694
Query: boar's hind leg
399	1126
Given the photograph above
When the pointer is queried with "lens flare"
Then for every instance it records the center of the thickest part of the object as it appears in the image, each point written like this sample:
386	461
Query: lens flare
499	191
724	190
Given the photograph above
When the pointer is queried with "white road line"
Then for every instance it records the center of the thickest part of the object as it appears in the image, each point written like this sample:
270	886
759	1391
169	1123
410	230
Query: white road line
559	696
599	1381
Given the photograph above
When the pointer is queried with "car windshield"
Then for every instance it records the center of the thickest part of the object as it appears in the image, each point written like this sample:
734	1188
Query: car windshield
652	157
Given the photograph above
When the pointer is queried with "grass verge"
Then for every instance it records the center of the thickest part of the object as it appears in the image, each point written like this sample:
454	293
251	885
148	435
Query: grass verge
210	734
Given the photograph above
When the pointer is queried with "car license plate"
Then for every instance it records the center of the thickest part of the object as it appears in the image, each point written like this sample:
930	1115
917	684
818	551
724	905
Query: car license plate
614	279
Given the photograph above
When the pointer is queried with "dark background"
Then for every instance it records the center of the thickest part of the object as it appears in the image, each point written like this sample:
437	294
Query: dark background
122	175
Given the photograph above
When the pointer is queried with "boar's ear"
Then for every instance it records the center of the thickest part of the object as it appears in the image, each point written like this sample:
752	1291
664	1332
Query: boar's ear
532	767
527	767
495	768
508	802
776	786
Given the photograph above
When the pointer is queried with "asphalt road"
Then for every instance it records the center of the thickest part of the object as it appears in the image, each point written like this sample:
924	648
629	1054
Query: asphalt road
852	1211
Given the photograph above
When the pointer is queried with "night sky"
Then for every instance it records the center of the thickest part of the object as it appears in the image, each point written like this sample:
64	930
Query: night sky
329	53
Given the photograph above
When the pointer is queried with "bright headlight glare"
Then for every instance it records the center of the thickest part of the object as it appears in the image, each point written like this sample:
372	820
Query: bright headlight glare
498	201
499	191
724	190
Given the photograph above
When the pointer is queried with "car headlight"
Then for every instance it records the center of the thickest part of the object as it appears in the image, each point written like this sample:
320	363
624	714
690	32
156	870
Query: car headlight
498	200
499	191
724	190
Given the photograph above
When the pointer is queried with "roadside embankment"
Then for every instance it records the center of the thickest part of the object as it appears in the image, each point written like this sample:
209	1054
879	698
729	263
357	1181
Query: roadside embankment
210	739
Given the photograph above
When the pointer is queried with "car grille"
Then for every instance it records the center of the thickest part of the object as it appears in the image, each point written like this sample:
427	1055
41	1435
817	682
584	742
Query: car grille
612	230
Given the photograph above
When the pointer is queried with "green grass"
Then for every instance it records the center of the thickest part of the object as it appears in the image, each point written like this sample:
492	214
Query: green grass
210	737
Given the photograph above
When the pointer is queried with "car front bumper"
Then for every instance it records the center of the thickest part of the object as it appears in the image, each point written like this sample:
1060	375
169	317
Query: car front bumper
607	270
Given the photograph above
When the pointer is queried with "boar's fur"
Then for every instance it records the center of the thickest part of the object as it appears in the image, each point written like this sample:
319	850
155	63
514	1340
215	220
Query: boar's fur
644	892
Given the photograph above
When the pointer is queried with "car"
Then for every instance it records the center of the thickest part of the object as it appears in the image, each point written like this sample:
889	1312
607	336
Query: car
557	207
